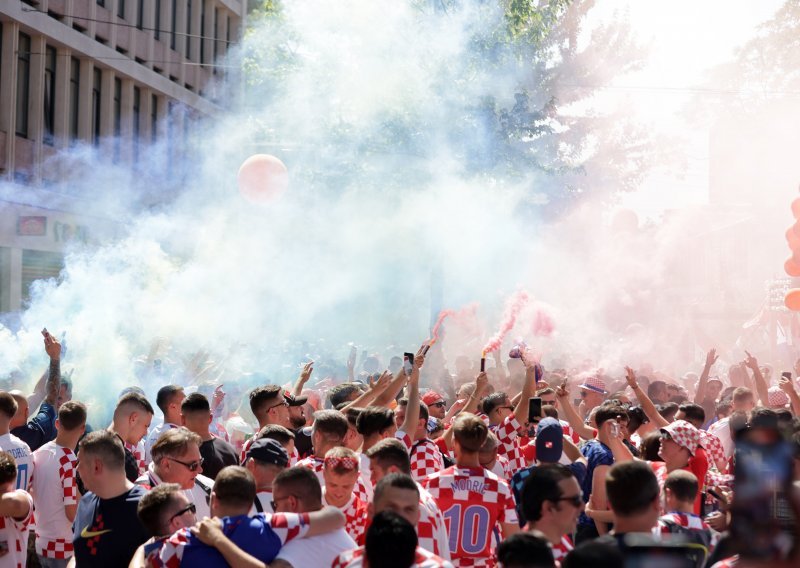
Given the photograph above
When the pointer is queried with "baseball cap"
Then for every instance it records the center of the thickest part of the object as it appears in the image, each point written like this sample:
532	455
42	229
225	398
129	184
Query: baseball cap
294	400
267	450
431	397
549	440
683	434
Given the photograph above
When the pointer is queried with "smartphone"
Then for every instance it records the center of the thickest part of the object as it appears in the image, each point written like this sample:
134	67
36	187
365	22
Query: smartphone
534	409
615	429
715	495
763	480
787	375
408	362
483	364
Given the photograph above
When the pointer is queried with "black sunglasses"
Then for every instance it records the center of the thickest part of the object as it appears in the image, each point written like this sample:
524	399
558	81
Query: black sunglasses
191	466
440	404
574	500
190	507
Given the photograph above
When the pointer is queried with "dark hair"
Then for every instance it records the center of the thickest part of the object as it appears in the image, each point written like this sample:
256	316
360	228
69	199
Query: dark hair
303	484
631	488
469	431
391	541
525	550
136	400
235	486
667	410
683	484
72	415
762	417
595	554
153	508
655	386
8	405
341	393
398	480
650	445
374	420
331	424
259	397
390	452
173	442
549	411
492	401
636	417
8	468
105	445
165	396
423	409
540	486
609	412
352	415
195	402
693	414
276	432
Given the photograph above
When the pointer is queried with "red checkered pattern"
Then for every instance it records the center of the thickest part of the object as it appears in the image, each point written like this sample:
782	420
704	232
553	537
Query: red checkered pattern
731	562
55	487
473	502
687	521
355	559
138	453
355	514
425	459
568	431
776	398
316	465
405	438
595	384
683	434
67	464
509	447
15	535
713	447
59	549
286	526
561	549
431	532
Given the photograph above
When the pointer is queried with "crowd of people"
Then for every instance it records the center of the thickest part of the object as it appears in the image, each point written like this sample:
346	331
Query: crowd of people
514	466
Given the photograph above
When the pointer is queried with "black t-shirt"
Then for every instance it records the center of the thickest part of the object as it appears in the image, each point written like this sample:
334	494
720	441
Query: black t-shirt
302	442
107	532
217	453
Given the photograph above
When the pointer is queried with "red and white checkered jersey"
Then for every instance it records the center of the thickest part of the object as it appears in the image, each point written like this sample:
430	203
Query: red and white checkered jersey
431	531
355	514
54	488
355	559
21	453
688	522
425	459
713	447
293	456
138	453
14	534
568	431
731	562
473	502
366	475
315	464
501	468
561	549
286	526
405	438
510	447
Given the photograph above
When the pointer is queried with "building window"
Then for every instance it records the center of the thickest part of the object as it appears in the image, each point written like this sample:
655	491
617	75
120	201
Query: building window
121	8
173	24
74	93
49	95
157	24
202	31
117	117
140	15
216	38
96	92
23	83
101	3
137	98
188	29
39	265
154	118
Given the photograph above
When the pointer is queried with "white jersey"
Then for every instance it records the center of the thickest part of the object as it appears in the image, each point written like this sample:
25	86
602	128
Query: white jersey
264	498
199	494
22	455
320	550
54	487
366	475
153	436
14	537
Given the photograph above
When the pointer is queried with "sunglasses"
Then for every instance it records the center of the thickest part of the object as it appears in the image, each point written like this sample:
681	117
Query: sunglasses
574	500
191	466
190	507
440	404
277	500
284	403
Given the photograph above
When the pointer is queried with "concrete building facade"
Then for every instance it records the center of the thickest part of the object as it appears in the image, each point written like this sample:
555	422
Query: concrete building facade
106	73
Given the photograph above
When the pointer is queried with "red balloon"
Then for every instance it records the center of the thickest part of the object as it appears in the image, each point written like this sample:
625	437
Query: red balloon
792	267
792	299
262	178
796	208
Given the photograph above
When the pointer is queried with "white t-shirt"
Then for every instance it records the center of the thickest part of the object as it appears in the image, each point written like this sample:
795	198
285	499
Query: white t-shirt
722	430
22	455
366	476
265	500
153	436
196	494
315	551
14	537
54	487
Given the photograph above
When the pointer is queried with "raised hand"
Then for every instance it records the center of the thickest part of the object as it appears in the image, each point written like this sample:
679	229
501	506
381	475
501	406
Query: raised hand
305	374
630	378
51	345
786	385
562	391
751	362
711	358
481	384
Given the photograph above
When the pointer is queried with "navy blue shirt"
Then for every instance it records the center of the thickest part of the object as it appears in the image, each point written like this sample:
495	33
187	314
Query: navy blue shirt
596	453
40	429
107	532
